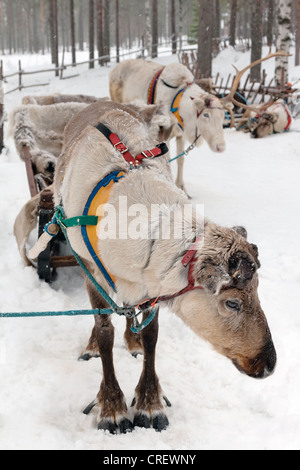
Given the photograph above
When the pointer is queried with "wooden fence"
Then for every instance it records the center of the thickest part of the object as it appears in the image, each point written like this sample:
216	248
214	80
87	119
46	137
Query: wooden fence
59	71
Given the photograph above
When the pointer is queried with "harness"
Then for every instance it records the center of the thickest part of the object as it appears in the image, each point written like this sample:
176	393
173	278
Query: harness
175	107
256	118
151	96
289	117
89	220
157	151
152	87
94	207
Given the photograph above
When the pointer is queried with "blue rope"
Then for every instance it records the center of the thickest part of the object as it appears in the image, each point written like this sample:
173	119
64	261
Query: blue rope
178	156
125	311
49	314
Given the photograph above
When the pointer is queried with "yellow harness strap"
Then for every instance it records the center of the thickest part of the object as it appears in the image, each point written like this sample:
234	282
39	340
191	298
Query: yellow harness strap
95	206
175	106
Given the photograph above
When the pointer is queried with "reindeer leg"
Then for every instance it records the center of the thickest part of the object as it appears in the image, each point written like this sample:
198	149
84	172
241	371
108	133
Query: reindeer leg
180	162
132	340
113	410
149	408
92	349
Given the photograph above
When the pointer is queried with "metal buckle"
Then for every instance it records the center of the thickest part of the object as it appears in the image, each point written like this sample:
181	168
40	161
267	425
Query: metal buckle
121	151
146	156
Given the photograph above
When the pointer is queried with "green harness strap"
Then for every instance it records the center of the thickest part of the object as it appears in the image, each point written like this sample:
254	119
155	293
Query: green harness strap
129	312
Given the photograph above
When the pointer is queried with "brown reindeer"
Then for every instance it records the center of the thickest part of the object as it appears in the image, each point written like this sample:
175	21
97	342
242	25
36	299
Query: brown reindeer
207	274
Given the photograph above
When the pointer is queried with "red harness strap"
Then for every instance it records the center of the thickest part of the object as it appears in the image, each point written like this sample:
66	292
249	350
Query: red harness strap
188	260
152	87
157	151
289	118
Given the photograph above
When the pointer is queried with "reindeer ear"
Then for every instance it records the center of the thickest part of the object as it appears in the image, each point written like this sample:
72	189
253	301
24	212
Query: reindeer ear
164	122
240	230
199	103
212	275
255	254
148	111
269	117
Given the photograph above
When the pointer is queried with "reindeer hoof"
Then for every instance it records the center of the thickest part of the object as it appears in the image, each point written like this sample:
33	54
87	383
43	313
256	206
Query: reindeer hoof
142	421
160	422
87	356
89	408
125	426
107	425
168	403
136	353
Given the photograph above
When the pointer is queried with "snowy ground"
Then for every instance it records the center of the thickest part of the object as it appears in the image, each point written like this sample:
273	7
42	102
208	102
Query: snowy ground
44	388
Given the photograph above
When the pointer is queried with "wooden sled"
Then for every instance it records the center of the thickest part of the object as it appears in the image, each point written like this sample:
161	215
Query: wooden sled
38	127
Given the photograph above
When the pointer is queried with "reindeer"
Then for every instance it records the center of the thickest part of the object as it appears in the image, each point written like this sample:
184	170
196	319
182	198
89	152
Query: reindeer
266	119
200	115
205	273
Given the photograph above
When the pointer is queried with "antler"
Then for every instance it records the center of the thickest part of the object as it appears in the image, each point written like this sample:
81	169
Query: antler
240	73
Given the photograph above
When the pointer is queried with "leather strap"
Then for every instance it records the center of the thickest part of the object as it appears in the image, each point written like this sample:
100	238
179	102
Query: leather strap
157	151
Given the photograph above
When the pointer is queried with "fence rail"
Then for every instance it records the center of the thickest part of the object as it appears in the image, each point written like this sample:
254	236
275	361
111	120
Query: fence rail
59	71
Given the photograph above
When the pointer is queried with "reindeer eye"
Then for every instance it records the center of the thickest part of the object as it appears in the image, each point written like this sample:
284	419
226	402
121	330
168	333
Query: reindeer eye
233	305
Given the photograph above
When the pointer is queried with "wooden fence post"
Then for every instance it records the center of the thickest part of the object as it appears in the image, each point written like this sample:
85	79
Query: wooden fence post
1	108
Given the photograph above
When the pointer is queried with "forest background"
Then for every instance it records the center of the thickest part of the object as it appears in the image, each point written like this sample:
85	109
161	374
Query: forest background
40	26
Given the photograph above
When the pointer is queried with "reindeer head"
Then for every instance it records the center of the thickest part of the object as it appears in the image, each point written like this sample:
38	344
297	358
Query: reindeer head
227	312
264	125
203	115
159	120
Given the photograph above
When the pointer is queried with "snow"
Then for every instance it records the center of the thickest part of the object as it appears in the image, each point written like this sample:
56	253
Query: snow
44	388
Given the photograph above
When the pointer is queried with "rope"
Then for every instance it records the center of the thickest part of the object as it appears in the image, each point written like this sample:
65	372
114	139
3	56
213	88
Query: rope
128	312
185	152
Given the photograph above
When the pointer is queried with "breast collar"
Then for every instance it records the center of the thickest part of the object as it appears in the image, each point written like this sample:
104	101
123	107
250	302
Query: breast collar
152	87
151	97
175	107
101	193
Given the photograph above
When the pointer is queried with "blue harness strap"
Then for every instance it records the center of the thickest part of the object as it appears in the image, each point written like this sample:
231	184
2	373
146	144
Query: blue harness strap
114	176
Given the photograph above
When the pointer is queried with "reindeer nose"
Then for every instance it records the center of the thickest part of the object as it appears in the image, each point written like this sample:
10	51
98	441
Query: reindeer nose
268	359
220	148
271	359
